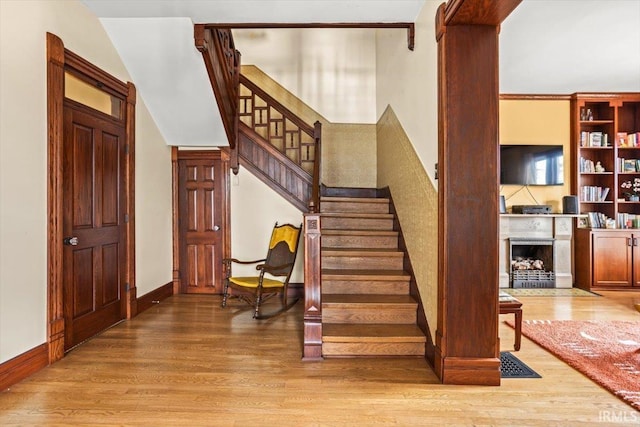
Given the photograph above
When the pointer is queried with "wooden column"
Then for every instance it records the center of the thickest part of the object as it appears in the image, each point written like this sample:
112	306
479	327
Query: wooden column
312	289
467	346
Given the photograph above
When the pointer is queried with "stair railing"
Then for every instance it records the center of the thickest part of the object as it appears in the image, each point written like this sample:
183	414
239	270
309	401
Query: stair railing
314	200
222	61
278	125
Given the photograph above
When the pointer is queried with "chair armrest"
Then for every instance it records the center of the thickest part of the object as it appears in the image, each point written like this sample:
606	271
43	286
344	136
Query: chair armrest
237	261
270	268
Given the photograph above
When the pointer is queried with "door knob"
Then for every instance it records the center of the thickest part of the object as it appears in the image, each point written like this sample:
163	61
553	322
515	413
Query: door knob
70	241
216	228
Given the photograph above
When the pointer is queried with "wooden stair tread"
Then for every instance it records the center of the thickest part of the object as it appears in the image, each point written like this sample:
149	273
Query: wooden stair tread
351	299
331	274
357	215
372	332
353	199
361	252
358	232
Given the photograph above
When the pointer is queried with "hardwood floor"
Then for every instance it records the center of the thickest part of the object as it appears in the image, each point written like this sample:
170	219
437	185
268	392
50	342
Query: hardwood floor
188	362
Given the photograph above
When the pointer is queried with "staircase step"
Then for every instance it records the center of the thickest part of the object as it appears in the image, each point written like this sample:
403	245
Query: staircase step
376	259
389	282
354	204
360	238
357	221
371	339
349	308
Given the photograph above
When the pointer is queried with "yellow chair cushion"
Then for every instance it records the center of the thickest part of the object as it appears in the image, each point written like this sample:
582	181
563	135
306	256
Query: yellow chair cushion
285	233
252	282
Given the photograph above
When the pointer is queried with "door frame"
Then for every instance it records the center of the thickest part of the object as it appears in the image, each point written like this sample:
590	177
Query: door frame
177	154
60	59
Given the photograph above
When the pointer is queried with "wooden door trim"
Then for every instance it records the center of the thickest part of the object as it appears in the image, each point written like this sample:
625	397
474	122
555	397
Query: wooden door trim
60	60
177	154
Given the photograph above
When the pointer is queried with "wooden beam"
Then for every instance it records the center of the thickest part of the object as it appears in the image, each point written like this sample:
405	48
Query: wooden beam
410	26
478	12
467	345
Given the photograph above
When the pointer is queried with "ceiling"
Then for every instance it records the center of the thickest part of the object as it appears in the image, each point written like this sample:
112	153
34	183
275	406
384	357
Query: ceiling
546	47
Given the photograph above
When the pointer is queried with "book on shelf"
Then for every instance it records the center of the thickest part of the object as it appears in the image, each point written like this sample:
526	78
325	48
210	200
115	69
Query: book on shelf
628	139
630	165
591	193
595	139
596	220
627	220
587	166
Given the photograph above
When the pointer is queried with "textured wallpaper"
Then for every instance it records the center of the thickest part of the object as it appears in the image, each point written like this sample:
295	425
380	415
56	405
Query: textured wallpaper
416	202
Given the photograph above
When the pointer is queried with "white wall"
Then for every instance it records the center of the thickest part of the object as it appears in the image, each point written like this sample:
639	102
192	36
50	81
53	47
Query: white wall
23	165
332	70
408	81
255	208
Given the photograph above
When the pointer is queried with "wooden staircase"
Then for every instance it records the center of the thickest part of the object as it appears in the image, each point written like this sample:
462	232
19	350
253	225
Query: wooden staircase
367	309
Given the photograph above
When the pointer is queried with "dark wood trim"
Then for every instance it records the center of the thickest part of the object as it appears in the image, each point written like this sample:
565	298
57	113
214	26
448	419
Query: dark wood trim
478	12
422	322
55	114
20	367
147	300
471	370
534	97
175	218
410	26
467	34
60	60
312	346
348	192
130	200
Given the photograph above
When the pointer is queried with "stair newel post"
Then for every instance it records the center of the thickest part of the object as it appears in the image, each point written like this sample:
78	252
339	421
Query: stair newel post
312	288
314	201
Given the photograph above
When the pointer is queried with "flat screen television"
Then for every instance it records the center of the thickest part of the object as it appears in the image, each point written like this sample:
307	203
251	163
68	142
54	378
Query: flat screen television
531	165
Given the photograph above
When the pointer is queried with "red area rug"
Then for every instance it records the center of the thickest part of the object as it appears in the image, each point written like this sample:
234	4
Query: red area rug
608	352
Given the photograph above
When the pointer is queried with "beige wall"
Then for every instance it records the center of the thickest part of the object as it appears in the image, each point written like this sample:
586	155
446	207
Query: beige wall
407	145
408	81
23	165
332	70
544	122
348	149
255	208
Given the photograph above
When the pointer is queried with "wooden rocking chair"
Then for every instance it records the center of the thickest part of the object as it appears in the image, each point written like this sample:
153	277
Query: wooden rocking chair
255	290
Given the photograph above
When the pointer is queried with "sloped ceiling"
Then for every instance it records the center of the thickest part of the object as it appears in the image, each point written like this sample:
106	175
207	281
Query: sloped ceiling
546	47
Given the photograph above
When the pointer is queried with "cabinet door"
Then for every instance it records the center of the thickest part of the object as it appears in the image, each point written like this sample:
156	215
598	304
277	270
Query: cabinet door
636	260
612	259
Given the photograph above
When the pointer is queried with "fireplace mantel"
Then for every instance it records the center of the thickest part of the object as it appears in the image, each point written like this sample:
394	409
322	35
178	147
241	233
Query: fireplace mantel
558	227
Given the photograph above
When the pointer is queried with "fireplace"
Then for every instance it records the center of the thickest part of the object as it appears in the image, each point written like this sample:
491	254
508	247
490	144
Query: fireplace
531	263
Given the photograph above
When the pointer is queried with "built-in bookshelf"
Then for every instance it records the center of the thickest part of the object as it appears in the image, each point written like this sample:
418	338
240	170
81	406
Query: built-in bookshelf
605	146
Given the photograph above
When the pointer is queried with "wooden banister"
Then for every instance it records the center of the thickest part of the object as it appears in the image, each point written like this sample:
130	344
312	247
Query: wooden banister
314	200
278	125
222	61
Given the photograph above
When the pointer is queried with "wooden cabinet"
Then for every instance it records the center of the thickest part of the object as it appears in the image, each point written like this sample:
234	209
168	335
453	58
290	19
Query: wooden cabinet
605	148
605	129
607	259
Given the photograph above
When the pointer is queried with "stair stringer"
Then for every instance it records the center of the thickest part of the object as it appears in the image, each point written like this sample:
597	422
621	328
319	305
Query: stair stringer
273	168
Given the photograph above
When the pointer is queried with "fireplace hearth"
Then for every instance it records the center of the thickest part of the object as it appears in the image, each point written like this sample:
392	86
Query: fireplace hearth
554	228
531	263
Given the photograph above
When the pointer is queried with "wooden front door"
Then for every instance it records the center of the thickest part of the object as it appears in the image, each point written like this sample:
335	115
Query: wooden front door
93	222
202	205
